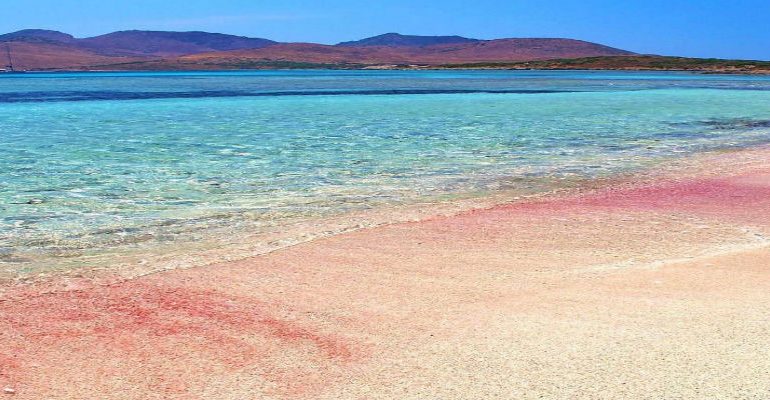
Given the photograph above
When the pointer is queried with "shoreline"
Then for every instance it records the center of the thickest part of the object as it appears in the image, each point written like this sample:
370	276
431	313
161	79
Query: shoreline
419	68
130	263
516	299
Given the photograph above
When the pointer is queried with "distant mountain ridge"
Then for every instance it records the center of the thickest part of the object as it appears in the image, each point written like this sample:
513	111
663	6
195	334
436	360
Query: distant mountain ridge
135	49
510	50
143	43
37	35
399	40
160	43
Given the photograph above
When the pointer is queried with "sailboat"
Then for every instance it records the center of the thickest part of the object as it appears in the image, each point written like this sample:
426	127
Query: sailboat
9	69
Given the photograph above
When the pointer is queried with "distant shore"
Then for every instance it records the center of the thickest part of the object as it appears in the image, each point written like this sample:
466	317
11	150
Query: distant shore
608	63
633	63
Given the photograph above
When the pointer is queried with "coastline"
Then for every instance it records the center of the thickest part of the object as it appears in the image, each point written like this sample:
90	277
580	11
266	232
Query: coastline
222	245
627	63
611	291
412	68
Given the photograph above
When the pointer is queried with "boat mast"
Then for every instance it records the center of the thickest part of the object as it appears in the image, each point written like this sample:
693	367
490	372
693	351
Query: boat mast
10	60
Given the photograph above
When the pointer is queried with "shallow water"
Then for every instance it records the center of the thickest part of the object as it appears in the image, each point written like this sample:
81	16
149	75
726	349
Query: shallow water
93	165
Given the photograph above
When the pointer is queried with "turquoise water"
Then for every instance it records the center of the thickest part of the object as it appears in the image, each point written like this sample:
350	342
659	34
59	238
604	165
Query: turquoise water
98	162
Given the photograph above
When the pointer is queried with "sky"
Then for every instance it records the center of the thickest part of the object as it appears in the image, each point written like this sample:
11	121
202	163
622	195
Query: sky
705	28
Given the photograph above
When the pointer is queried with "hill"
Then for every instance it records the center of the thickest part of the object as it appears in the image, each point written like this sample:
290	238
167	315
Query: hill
139	43
501	50
37	35
39	49
41	55
191	50
158	43
396	39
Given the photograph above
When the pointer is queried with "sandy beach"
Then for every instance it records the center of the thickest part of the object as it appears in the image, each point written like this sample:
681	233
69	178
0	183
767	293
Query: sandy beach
654	290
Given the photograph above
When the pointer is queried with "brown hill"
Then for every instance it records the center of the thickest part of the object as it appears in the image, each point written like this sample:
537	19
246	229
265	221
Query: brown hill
519	50
37	35
127	44
500	50
29	55
397	39
306	52
44	49
157	43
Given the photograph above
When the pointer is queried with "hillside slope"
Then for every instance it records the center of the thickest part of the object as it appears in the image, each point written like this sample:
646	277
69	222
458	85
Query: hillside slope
27	55
157	43
45	49
396	39
500	50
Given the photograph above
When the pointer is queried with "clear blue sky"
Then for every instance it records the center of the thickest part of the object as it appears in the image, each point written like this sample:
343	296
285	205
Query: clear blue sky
705	28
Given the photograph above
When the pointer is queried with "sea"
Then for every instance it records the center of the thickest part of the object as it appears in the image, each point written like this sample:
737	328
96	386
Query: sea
136	172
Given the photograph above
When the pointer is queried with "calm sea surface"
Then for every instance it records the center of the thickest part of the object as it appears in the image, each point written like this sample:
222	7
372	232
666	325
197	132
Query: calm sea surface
99	165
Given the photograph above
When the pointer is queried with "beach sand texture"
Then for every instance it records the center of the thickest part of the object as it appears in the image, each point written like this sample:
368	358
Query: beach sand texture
654	291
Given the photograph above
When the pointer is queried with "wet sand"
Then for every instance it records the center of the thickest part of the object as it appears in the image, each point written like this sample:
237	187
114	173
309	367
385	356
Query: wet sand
644	291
